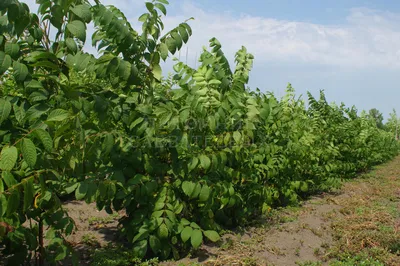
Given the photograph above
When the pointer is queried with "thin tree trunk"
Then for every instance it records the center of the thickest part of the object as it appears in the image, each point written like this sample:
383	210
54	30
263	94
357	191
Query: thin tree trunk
41	244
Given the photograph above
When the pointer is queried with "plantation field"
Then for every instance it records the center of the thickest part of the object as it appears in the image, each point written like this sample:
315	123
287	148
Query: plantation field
102	148
355	225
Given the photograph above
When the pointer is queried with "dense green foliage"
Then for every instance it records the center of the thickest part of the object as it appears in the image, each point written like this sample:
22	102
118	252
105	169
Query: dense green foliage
184	156
392	124
376	116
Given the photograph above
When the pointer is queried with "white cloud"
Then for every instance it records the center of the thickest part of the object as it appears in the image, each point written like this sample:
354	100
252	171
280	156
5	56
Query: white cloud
369	38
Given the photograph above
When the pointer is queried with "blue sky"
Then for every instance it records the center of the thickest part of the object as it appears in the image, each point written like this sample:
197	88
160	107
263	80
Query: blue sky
316	11
351	49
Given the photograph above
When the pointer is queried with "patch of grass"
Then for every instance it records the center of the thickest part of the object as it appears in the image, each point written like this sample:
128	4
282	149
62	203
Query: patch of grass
325	245
118	256
249	261
103	220
227	245
90	240
276	250
317	251
361	259
297	252
309	263
368	234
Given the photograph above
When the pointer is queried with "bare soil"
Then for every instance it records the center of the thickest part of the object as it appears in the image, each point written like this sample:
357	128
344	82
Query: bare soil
289	237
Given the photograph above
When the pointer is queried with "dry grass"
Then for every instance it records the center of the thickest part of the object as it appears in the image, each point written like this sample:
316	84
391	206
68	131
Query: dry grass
370	223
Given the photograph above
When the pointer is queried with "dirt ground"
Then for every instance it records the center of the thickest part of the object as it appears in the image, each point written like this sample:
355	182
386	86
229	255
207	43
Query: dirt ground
359	225
94	229
295	235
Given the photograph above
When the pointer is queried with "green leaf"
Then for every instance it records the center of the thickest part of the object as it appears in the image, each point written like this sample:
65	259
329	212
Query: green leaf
58	115
304	187
20	71
185	222
35	84
83	12
8	179
28	150
5	110
71	45
157	72
3	204
111	190
46	64
155	244
149	6
186	233
162	8
108	143
142	234
227	139
81	190
196	238
177	38
196	191
194	225
205	161
163	231
124	70
21	24
143	17
231	191
36	111
61	252
188	28
212	123
183	33
8	158
91	193
212	235
136	122
214	82
45	138
12	49
140	249
193	163
204	193
5	62
113	65
171	44
71	188
19	112
48	56
237	136
163	51
28	193
78	29
188	187
13	202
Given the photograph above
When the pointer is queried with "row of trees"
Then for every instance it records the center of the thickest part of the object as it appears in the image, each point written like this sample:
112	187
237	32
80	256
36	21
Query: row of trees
185	156
391	124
